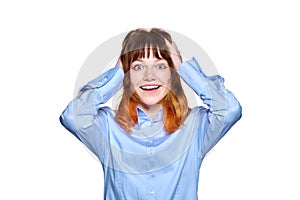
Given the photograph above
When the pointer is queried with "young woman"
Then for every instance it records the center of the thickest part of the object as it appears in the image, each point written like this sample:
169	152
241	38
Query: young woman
153	145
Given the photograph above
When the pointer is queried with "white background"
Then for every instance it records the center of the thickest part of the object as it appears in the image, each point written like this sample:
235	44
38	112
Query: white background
254	45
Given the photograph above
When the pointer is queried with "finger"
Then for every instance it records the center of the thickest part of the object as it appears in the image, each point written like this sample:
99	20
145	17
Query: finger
119	63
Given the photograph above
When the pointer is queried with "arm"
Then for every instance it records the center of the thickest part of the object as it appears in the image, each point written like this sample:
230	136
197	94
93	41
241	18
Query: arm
85	110
223	108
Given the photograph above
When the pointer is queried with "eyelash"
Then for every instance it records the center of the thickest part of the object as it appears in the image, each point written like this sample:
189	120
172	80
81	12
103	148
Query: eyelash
163	66
141	67
136	67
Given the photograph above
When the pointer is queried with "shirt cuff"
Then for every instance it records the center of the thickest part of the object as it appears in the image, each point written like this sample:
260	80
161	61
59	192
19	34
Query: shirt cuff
110	83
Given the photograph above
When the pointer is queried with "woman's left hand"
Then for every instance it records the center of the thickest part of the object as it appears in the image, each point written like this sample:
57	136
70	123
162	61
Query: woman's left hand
175	54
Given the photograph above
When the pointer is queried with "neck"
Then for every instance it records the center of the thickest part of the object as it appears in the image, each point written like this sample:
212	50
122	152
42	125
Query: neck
151	110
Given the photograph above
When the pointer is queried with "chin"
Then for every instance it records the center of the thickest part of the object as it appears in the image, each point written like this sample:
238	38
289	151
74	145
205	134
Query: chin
150	102
151	98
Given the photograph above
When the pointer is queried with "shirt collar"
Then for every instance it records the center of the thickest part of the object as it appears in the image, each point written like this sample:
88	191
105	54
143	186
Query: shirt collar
145	120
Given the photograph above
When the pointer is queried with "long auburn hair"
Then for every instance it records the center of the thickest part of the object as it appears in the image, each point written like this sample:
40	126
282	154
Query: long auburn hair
175	107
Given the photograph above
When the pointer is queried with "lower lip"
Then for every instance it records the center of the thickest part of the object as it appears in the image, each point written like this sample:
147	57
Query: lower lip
151	91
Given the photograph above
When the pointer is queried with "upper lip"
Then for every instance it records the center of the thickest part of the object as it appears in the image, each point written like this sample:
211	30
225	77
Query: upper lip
152	85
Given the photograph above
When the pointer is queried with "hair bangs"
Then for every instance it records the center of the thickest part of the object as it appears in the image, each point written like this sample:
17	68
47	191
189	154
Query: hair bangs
141	44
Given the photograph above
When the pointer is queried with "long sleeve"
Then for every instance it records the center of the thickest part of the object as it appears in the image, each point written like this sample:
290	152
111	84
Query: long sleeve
84	117
223	108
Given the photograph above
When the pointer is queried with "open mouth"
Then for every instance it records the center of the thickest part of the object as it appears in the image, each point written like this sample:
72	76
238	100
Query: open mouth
150	87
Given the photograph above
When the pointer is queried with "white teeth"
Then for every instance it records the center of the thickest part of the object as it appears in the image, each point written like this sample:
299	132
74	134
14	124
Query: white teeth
150	87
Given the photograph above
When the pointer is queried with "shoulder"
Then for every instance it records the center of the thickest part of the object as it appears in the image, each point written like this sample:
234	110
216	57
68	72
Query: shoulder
195	117
106	111
197	112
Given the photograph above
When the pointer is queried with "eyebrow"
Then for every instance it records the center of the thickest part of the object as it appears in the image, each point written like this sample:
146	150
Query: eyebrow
156	60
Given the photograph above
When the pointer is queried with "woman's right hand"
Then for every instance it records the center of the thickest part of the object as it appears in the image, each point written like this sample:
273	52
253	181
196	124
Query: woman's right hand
119	63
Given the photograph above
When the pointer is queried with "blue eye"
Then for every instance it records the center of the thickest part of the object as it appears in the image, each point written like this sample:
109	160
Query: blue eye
160	66
138	67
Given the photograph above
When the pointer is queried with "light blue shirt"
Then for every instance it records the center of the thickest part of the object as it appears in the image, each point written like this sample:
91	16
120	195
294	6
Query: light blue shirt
150	163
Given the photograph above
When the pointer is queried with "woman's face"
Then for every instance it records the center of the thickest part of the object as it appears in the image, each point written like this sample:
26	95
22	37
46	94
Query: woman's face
150	79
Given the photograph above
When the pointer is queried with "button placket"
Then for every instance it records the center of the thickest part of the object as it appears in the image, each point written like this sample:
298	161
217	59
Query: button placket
150	164
151	151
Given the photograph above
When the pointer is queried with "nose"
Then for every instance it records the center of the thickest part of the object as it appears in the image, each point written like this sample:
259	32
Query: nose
149	74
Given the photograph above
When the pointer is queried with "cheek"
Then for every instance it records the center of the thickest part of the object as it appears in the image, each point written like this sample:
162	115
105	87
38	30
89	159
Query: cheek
135	79
165	78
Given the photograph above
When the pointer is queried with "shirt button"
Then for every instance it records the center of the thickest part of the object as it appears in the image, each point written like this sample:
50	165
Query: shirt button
151	151
152	192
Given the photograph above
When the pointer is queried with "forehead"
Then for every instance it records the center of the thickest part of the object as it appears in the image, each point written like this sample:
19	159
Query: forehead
148	54
150	60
